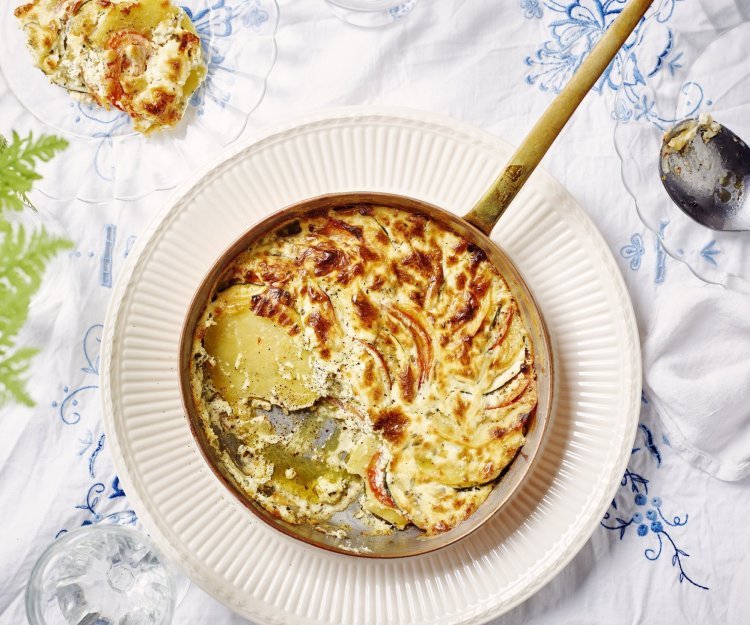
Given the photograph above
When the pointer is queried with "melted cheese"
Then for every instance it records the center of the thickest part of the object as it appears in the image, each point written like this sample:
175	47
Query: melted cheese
403	339
141	56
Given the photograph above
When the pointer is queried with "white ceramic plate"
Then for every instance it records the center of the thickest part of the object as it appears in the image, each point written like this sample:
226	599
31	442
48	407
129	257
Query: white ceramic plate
238	38
270	578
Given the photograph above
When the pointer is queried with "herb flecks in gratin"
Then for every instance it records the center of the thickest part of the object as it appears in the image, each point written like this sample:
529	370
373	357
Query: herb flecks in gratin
402	347
141	56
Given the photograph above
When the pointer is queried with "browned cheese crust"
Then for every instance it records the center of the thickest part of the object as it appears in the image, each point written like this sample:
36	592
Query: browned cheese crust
143	57
414	341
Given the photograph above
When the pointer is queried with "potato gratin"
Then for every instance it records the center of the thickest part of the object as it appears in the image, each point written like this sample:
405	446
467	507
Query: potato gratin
403	370
141	56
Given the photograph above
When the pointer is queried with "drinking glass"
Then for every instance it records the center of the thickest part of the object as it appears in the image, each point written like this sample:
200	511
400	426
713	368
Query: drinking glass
101	575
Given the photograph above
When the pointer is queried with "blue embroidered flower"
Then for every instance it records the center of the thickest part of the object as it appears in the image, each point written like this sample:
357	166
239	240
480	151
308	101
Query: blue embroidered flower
255	18
531	9
638	484
634	252
94	499
582	23
214	25
579	25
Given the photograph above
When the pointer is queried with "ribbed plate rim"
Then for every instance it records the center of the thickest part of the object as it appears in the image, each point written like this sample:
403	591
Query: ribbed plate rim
565	547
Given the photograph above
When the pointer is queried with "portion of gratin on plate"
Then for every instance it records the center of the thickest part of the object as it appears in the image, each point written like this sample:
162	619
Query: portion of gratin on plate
143	57
366	357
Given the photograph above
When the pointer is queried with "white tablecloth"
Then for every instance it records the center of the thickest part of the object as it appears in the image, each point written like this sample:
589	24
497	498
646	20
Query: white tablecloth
672	547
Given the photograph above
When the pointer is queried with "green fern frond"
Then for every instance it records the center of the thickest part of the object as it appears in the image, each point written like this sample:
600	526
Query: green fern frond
18	160
23	256
23	259
13	369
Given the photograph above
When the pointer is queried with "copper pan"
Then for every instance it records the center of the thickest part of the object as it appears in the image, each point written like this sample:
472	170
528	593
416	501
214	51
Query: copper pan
407	542
475	226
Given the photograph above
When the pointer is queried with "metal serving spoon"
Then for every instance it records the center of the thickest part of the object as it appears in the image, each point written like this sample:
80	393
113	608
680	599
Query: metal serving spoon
705	169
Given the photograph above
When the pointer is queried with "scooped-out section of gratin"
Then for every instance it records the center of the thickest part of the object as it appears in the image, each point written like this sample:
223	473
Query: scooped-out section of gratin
364	358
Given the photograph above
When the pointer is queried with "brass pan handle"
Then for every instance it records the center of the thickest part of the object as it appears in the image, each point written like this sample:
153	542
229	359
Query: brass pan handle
493	204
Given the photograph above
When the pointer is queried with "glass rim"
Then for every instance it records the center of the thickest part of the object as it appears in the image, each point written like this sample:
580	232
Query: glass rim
369	6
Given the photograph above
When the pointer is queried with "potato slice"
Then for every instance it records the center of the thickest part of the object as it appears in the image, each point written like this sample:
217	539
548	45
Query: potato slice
255	358
432	506
360	461
506	350
361	454
137	17
460	466
373	506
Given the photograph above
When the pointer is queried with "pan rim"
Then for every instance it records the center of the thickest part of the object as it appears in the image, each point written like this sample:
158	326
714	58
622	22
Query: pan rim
542	346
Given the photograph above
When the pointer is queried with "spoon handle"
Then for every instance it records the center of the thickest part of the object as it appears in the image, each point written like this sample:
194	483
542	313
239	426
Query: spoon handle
490	208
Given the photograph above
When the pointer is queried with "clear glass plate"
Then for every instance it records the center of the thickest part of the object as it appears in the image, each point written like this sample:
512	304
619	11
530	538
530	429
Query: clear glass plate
107	159
710	74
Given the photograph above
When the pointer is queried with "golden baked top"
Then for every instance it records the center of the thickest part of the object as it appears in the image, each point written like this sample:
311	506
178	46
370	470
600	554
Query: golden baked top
396	348
141	56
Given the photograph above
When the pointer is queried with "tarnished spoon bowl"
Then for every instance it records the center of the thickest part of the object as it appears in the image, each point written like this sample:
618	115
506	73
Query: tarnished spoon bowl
705	169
